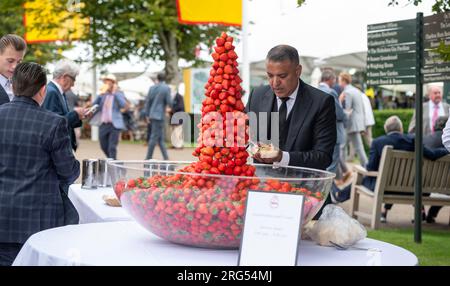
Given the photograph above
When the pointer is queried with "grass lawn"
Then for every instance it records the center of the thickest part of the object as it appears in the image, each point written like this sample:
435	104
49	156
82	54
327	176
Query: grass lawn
433	251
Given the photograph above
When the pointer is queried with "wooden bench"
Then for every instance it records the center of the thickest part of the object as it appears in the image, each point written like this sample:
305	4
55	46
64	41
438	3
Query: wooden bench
397	174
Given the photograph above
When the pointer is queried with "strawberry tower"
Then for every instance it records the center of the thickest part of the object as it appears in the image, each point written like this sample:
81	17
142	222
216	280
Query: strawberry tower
223	129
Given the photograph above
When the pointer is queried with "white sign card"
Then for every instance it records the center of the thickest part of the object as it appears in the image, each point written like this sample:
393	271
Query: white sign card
271	233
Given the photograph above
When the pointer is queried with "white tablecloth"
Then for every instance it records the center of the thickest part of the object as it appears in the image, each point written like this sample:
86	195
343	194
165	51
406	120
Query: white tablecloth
127	243
92	208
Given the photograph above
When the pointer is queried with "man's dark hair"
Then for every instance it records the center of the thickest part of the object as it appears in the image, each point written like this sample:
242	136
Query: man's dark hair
327	74
161	76
28	79
282	53
13	41
439	125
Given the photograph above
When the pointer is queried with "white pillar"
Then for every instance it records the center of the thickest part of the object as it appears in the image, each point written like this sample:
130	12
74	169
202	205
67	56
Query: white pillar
245	53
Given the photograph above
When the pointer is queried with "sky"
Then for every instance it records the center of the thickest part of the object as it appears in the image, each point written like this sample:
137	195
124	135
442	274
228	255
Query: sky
321	28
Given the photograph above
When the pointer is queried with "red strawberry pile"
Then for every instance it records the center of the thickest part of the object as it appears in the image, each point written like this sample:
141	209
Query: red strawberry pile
198	210
223	130
192	207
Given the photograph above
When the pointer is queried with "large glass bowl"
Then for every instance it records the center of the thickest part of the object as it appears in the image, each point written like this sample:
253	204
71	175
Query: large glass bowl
206	210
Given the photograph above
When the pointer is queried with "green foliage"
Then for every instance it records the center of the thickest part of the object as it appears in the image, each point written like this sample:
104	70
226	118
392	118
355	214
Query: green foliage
119	29
11	15
438	6
433	251
405	116
300	2
444	51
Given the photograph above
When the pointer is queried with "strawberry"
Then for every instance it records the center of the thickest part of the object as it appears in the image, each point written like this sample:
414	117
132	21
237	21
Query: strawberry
229	46
228	70
220	41
215	56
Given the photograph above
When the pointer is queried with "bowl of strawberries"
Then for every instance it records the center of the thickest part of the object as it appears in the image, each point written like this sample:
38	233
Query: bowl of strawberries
177	203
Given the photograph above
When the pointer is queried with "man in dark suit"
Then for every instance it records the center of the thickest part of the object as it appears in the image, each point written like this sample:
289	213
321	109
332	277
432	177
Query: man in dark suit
432	141
157	102
12	51
394	137
36	164
307	118
64	78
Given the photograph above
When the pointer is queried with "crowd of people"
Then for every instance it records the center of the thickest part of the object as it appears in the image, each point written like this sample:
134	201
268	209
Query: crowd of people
38	137
354	120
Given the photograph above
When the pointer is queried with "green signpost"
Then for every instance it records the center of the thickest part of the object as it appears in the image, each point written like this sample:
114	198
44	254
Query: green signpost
391	57
436	29
404	52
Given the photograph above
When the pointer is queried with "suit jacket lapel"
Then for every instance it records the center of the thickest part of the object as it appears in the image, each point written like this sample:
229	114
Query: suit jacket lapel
265	106
298	114
61	98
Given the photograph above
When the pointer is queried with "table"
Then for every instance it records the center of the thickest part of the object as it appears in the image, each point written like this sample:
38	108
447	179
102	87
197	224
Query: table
91	207
127	243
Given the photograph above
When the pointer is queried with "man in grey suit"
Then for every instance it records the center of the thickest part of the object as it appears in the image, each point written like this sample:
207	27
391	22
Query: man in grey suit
431	111
327	80
158	99
354	107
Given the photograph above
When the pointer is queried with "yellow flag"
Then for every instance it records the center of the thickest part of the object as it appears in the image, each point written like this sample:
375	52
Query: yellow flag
65	26
225	12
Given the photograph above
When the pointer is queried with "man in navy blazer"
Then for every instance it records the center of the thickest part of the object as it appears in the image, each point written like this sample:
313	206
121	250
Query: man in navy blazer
394	137
64	78
36	164
12	51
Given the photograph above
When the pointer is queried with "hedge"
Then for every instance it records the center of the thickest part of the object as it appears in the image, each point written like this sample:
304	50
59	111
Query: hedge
405	116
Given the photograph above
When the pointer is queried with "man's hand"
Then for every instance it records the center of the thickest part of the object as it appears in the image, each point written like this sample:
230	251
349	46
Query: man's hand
276	159
81	112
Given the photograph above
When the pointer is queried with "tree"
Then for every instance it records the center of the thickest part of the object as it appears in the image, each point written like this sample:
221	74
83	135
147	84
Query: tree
11	15
147	29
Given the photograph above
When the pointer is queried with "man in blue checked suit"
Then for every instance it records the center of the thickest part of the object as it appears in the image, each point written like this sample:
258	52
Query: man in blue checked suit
64	78
36	164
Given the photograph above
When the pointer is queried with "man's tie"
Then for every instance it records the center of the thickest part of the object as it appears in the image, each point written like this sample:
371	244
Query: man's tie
283	121
8	89
65	101
435	116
